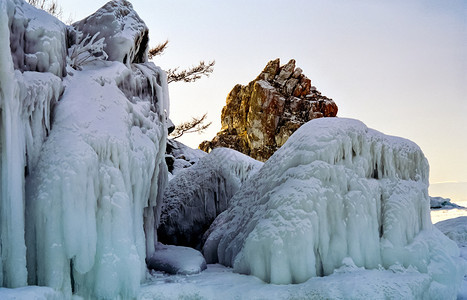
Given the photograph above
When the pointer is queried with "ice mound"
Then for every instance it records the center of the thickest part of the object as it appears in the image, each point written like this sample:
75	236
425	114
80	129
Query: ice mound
197	195
126	35
37	39
336	189
177	260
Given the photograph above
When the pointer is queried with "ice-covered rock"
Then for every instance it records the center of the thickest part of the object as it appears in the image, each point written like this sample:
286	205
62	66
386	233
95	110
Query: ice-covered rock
81	190
26	100
37	39
177	260
196	195
336	189
179	156
126	35
93	199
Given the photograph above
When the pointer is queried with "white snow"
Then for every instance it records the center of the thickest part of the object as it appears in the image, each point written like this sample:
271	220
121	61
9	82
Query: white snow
336	189
30	293
176	260
348	282
196	195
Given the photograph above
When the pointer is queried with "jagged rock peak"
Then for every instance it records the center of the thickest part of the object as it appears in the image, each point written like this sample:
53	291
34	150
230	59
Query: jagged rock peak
259	118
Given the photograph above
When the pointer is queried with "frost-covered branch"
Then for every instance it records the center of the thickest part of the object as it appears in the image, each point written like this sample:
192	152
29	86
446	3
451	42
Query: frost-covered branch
195	125
192	74
86	51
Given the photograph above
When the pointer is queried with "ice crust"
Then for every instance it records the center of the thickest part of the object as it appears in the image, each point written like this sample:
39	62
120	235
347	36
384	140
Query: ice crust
335	190
196	195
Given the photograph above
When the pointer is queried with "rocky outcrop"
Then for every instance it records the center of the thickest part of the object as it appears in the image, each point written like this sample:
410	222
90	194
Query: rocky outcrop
259	118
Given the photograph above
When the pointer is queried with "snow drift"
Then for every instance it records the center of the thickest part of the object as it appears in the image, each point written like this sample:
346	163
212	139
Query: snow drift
82	161
335	191
197	195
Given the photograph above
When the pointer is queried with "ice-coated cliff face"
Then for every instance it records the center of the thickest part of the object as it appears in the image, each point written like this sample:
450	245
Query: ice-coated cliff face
82	156
31	40
197	195
335	191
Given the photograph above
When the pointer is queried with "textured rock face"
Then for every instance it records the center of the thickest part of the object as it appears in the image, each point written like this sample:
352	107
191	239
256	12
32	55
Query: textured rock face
259	118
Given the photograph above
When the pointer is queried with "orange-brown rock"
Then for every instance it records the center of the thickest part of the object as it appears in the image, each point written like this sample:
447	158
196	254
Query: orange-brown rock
259	118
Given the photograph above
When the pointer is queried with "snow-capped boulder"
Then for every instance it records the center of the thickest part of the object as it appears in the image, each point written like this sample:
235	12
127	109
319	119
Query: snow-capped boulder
336	189
37	39
126	35
177	260
197	195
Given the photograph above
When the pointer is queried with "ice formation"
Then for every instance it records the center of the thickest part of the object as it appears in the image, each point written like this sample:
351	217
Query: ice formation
26	98
177	260
336	190
81	191
198	194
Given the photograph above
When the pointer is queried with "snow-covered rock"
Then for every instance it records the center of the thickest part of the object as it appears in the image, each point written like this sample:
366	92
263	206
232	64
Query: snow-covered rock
177	260
336	189
196	195
126	35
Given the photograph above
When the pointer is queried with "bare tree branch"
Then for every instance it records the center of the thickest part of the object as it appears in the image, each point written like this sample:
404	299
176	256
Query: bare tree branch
195	125
158	50
192	74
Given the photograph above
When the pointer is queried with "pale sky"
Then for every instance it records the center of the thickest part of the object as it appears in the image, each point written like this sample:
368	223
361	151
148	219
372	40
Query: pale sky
399	66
